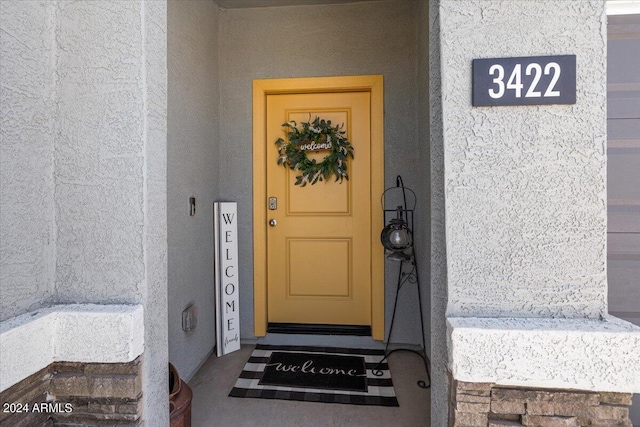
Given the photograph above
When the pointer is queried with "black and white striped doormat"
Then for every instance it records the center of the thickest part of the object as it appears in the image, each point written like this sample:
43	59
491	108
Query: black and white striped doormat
379	389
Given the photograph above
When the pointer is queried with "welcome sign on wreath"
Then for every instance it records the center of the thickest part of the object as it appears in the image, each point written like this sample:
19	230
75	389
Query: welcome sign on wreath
316	135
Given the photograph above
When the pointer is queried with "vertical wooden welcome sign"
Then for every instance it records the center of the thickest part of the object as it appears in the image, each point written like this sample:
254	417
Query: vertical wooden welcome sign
225	219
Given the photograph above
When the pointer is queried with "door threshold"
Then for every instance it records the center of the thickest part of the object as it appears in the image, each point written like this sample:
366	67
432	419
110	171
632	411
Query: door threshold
318	329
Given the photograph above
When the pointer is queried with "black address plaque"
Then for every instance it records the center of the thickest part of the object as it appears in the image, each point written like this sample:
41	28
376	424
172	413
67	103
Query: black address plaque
530	80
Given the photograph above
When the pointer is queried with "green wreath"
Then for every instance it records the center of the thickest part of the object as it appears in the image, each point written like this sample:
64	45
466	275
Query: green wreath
315	136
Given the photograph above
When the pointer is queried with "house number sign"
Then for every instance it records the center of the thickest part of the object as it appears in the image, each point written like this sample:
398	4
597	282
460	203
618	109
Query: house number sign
225	222
532	80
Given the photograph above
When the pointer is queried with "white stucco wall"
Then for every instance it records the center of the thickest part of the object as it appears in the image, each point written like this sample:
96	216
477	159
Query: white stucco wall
154	170
525	196
580	354
99	153
193	168
84	161
88	333
525	186
305	41
110	168
439	360
422	234
27	128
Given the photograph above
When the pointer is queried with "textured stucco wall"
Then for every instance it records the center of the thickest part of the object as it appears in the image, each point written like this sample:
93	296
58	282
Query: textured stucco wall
439	360
578	354
27	104
154	171
525	186
99	153
423	213
193	167
86	126
305	41
110	168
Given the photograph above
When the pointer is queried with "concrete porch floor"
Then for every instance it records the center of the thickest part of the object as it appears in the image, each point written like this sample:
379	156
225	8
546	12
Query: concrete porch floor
212	407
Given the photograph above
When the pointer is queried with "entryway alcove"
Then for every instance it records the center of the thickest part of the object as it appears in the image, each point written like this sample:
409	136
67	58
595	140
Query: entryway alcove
87	259
216	50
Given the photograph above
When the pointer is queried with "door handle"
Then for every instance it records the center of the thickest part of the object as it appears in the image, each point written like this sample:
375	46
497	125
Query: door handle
273	222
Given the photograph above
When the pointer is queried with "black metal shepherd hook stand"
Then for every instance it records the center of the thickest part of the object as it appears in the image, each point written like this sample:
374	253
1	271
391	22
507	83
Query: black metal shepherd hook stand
397	238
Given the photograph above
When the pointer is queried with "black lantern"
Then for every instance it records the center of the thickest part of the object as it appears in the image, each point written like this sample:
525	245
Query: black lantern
396	238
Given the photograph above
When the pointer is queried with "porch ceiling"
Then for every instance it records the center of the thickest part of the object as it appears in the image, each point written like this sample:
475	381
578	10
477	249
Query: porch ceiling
238	4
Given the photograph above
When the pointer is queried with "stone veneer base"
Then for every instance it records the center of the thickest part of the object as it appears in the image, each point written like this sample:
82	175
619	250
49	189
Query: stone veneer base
491	405
66	394
89	333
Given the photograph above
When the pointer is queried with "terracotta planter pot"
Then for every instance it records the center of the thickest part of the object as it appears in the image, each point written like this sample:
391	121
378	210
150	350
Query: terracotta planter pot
180	396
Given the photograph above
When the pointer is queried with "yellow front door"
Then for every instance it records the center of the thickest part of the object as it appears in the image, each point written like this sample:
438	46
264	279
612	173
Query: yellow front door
319	237
319	263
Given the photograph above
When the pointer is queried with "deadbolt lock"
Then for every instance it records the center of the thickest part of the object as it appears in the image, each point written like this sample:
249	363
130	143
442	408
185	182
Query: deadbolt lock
273	203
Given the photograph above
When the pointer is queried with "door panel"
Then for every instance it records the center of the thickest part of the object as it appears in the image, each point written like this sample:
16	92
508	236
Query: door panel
308	276
319	252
